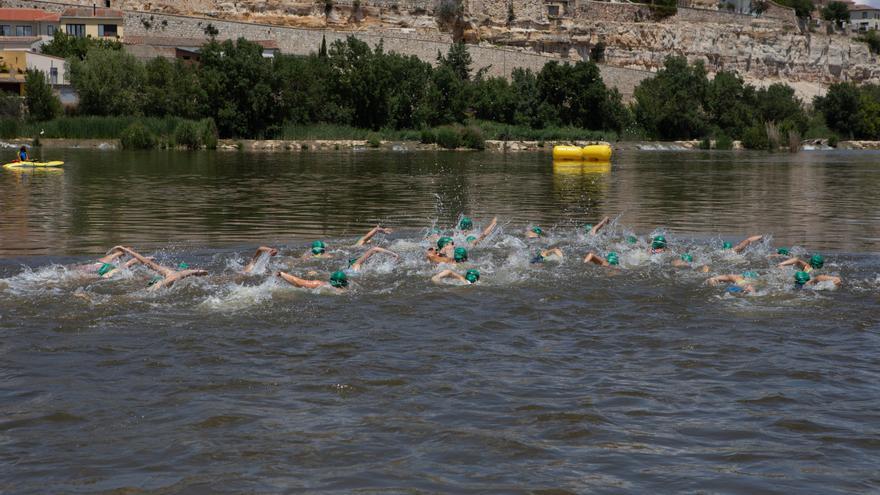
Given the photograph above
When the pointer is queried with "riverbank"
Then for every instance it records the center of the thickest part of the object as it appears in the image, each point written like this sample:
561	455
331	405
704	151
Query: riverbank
495	146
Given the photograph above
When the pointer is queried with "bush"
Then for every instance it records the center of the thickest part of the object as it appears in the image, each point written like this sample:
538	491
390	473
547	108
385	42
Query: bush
427	136
10	105
41	102
832	141
705	144
208	133
872	39
472	137
137	137
723	142
374	140
755	138
448	137
187	135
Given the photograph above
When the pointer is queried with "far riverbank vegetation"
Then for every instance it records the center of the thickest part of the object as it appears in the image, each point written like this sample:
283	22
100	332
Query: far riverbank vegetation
353	91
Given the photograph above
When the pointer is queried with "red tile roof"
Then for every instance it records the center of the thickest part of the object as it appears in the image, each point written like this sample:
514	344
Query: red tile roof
863	7
93	12
28	15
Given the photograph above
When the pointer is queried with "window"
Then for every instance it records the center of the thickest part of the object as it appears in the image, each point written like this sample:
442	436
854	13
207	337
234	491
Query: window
5	30
76	30
553	10
107	30
50	30
24	30
53	75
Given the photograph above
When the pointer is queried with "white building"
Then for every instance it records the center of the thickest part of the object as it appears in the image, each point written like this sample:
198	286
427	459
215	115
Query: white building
864	17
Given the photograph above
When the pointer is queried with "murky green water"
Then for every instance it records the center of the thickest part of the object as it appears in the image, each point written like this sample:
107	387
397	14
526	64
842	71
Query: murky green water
542	378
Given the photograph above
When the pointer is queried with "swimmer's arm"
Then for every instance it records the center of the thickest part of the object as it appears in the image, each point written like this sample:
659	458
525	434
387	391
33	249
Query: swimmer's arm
301	282
434	257
162	270
550	252
370	252
825	278
113	255
793	261
724	278
260	250
169	280
447	274
599	226
486	232
595	259
369	235
746	242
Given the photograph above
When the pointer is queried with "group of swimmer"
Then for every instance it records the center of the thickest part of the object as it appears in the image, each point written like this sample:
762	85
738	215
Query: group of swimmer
444	251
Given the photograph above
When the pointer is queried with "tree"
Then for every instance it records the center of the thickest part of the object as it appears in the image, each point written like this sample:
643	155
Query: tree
840	105
68	46
836	12
458	59
802	8
778	103
172	88
108	83
41	102
729	103
670	105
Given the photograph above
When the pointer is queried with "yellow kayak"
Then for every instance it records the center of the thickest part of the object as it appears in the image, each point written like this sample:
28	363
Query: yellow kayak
590	153
34	164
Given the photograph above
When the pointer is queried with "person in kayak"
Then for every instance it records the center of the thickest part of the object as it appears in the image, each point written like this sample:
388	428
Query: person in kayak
262	252
470	277
338	280
23	155
166	276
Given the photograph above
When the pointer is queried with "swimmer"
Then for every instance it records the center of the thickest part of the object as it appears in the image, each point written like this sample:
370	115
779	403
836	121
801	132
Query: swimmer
318	250
802	279
535	233
743	244
741	282
686	261
445	249
107	266
471	276
610	260
816	262
474	240
459	255
369	235
262	250
168	276
781	253
594	229
658	244
355	264
338	280
554	254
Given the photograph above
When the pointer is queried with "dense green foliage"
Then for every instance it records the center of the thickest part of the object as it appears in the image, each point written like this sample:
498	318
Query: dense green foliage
41	102
836	12
852	111
68	46
872	39
802	8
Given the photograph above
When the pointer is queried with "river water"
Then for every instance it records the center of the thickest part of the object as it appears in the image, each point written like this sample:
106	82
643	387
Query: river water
546	378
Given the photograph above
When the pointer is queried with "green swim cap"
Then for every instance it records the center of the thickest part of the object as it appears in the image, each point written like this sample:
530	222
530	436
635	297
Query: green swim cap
471	238
537	230
800	278
588	227
783	251
612	259
686	257
154	280
351	261
632	239
659	242
182	266
443	241
750	274
726	245
466	224
106	267
817	261
317	250
318	244
472	276
339	280
460	254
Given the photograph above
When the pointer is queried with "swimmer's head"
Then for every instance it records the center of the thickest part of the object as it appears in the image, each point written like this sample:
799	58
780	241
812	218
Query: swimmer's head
460	255
23	148
154	280
783	251
538	231
443	241
466	224
472	276
817	261
687	258
613	259
726	245
801	278
659	242
632	239
318	247
182	266
339	280
750	274
106	267
471	238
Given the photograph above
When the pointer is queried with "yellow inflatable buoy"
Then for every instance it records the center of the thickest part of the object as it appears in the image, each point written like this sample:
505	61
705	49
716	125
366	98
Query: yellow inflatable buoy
581	168
590	153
